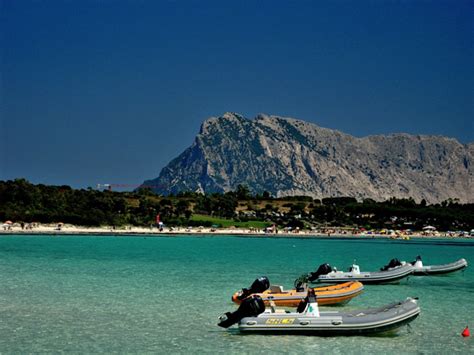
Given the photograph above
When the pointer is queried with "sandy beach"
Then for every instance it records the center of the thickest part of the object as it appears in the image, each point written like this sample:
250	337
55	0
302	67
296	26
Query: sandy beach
68	229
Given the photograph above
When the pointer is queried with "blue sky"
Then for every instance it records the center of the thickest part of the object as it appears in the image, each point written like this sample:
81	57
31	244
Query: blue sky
110	91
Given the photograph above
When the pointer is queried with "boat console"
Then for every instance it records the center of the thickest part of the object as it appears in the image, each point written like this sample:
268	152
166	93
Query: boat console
418	263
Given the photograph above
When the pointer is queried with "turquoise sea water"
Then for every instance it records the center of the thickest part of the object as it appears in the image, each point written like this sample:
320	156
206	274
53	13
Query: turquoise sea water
164	294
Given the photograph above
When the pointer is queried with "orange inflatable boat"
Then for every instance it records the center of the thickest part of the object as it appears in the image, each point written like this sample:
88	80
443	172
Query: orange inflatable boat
328	295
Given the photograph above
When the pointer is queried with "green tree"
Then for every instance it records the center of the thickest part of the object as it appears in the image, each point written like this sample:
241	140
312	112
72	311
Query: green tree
243	192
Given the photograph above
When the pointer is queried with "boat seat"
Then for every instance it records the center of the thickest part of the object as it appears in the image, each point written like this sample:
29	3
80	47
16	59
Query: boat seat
276	289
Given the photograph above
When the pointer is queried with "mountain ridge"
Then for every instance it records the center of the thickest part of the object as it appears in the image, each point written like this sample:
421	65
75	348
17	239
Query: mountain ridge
288	156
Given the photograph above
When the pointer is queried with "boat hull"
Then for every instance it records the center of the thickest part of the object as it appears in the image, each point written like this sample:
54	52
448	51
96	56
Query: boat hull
328	295
378	277
440	269
364	322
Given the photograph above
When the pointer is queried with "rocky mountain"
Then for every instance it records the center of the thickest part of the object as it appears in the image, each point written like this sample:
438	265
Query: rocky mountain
286	156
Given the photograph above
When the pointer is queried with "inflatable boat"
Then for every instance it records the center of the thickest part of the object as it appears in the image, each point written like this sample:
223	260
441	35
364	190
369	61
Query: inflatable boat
329	295
253	317
391	273
424	270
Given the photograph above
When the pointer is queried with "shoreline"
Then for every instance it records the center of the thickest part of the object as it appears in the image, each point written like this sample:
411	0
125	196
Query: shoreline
208	232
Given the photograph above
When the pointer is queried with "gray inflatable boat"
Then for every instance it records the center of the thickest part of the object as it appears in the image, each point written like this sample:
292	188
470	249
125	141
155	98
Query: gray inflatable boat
391	273
425	270
312	322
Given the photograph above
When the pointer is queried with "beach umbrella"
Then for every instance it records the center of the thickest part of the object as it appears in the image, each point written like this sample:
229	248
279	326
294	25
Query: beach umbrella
8	222
429	228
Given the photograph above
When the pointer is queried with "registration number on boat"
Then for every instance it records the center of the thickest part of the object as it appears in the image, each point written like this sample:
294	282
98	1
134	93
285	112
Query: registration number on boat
280	321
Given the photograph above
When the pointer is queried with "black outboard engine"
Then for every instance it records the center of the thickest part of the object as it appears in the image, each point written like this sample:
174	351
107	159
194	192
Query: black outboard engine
418	258
301	282
250	307
323	269
393	263
259	285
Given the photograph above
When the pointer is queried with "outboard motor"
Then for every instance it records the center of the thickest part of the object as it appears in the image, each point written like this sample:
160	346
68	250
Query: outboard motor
418	263
301	283
323	269
258	286
250	307
393	263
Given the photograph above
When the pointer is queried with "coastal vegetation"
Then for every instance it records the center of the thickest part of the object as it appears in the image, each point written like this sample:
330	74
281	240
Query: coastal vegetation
23	201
